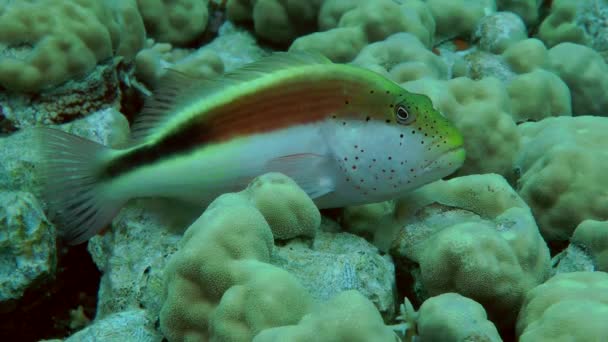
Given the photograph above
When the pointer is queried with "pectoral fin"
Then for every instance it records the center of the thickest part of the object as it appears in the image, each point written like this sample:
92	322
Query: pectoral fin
313	172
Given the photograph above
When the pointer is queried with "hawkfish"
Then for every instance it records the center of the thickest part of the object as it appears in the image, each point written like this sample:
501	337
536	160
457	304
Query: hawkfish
346	135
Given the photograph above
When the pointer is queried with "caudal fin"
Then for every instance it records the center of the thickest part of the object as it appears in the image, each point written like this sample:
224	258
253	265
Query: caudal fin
79	201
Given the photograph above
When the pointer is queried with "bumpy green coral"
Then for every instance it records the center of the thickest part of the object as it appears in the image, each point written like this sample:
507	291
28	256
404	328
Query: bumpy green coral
177	22
537	95
576	21
534	87
289	217
592	236
452	317
474	236
570	306
388	57
219	284
278	21
562	164
458	18
528	10
586	74
368	22
349	316
45	43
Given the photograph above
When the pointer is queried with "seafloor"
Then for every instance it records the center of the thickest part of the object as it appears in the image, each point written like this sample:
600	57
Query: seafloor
512	246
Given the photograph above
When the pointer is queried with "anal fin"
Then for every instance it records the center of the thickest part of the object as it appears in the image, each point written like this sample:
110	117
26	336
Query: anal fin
313	172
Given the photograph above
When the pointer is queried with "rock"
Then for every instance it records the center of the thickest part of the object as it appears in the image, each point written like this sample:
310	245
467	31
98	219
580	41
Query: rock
27	245
340	261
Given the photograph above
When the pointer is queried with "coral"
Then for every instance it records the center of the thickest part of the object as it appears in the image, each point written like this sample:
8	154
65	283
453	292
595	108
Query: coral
569	306
363	219
177	22
270	297
219	283
535	91
526	56
586	74
331	12
458	18
340	44
480	110
235	46
365	23
524	81
45	43
516	58
474	236
335	262
388	57
349	316
452	317
232	48
528	10
537	95
496	31
562	163
153	61
278	21
479	64
375	220
576	21
593	237
133	268
290	217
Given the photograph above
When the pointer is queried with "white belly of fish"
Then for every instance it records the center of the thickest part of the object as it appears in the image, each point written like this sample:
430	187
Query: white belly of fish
199	177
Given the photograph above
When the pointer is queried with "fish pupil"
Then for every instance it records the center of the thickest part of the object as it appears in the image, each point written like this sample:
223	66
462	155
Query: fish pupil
402	113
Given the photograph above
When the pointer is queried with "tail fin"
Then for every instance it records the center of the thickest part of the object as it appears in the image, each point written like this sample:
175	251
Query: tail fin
78	200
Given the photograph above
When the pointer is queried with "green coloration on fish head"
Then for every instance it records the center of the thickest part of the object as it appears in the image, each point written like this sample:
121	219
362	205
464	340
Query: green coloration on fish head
391	141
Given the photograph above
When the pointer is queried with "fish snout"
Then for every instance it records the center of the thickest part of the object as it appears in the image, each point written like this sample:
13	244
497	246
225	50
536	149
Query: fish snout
451	153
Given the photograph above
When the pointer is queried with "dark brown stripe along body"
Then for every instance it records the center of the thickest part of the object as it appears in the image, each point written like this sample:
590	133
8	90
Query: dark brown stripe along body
300	98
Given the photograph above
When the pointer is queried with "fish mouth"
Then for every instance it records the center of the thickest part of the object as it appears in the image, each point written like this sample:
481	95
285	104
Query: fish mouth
453	158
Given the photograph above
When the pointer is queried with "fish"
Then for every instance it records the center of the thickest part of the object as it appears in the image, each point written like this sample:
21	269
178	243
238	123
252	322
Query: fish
345	134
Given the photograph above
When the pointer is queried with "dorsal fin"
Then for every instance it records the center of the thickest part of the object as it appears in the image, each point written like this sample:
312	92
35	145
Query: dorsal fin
178	90
159	106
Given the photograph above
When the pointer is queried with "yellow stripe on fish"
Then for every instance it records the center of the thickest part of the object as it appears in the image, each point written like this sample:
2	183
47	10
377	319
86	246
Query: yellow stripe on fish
345	134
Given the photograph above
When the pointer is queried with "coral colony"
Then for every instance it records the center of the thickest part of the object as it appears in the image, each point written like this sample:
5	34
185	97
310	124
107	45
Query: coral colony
323	170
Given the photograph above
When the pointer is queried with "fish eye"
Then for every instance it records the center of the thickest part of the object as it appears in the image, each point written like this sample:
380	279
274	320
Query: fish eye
404	117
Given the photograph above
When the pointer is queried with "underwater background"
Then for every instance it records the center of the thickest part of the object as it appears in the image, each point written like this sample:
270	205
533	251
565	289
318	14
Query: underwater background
512	246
